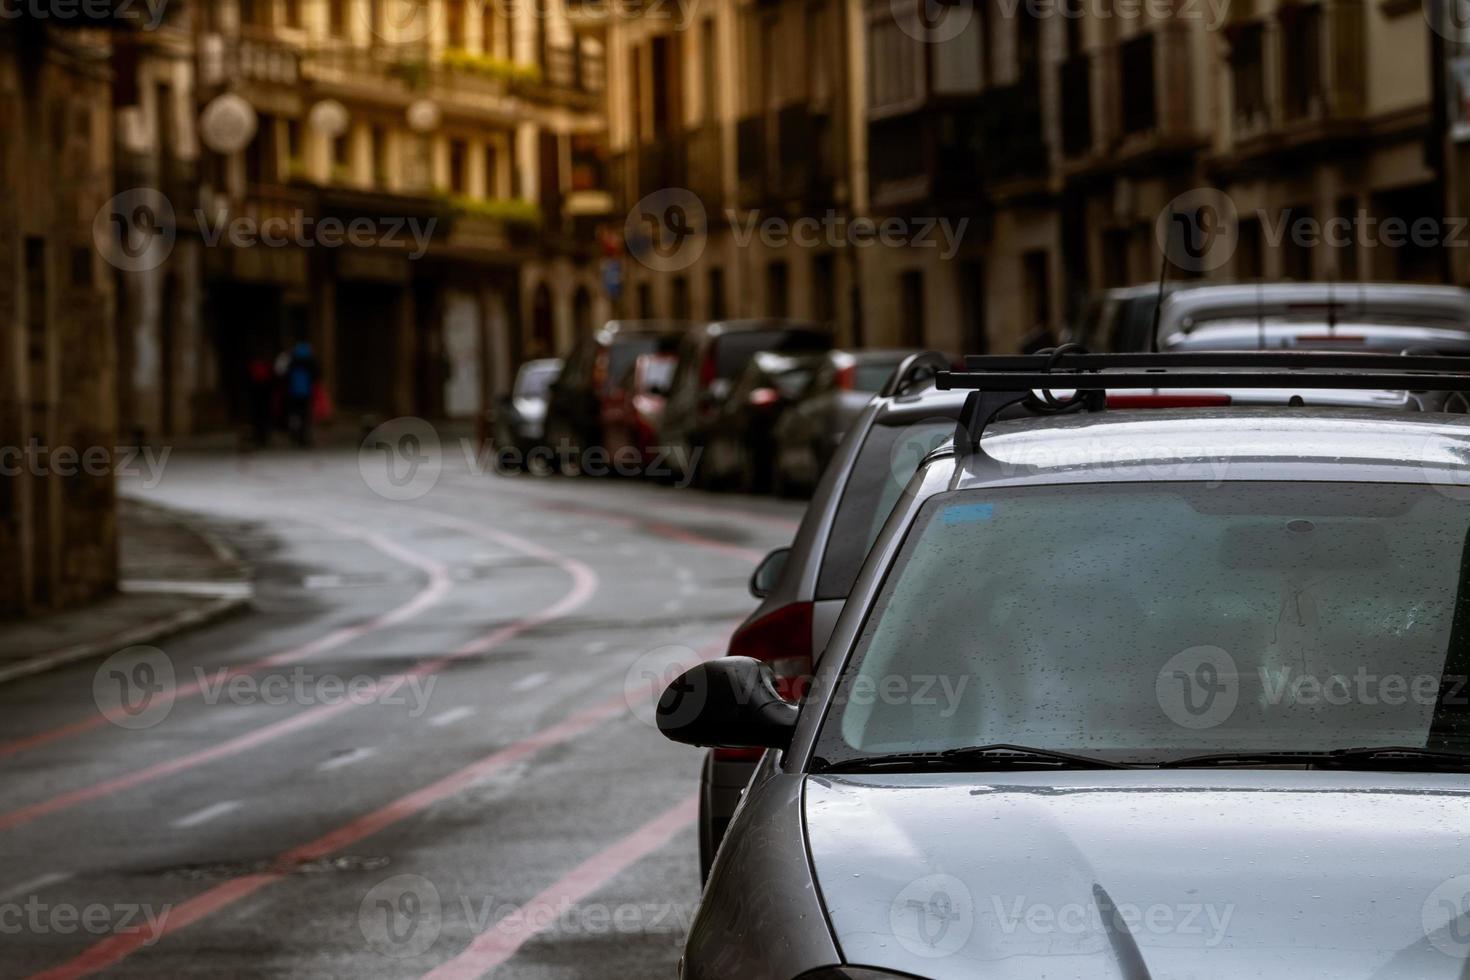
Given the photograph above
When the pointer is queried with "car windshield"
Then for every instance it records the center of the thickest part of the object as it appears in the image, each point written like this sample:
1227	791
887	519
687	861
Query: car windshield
1147	622
535	380
890	455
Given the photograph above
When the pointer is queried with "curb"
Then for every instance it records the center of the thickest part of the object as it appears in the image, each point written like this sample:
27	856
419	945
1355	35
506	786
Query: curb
146	633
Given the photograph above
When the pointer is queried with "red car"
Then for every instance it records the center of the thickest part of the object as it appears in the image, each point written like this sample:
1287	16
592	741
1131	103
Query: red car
632	409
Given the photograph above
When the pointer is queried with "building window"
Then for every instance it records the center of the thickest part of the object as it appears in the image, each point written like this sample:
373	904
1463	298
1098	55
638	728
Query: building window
1036	288
380	156
454	27
716	293
1345	238
341	157
255	13
294	164
911	325
337	18
458	160
778	289
492	171
824	288
645	301
1248	75
709	94
1136	57
1296	256
896	67
293	14
1301	60
1249	262
679	298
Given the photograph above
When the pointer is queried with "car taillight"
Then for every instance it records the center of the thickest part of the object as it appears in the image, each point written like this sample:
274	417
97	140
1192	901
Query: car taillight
783	641
1167	401
762	397
846	378
599	370
707	369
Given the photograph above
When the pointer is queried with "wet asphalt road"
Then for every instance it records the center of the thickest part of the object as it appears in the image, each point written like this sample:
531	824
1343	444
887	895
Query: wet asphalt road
425	750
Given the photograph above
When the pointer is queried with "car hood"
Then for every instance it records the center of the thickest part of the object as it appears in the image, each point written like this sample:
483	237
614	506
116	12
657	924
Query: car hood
1138	875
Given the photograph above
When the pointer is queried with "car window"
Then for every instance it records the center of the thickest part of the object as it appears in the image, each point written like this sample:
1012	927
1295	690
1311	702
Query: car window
624	351
890	455
873	375
1147	621
734	350
793	383
657	373
579	363
534	380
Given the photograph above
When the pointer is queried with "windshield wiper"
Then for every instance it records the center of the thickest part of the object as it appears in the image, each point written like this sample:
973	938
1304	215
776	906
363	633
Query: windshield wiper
1366	757
973	758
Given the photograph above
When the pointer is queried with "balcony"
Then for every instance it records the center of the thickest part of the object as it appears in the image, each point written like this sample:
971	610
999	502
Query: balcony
946	153
790	160
661	164
1148	84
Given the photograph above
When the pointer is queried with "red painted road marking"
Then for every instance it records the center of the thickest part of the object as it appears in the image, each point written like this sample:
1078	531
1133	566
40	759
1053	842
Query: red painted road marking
111	951
429	596
504	939
584	584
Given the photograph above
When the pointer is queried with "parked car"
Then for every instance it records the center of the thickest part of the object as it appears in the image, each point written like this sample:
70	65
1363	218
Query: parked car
740	445
596	362
802	587
807	436
1120	320
1057	684
710	356
632	409
519	419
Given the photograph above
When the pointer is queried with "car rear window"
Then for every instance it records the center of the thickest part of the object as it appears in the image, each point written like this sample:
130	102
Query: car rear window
624	351
873	375
735	349
535	380
890	456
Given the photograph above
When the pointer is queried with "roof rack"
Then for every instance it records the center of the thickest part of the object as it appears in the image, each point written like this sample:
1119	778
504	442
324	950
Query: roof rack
1000	382
913	369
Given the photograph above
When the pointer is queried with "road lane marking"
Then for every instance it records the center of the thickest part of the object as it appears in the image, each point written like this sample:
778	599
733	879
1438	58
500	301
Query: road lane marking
201	817
35	885
451	716
584	585
505	938
530	682
347	759
673	605
426	598
116	948
596	646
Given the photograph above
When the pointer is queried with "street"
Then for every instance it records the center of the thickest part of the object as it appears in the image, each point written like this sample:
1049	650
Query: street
427	745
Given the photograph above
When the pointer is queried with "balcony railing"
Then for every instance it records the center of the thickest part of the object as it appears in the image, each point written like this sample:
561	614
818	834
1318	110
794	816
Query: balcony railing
790	159
704	165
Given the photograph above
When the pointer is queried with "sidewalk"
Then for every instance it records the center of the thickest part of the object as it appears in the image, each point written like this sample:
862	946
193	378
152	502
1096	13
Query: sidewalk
171	577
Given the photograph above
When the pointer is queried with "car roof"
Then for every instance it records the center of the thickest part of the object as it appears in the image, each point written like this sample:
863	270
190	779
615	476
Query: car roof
1248	333
764	323
615	327
1217	445
1244	300
919	404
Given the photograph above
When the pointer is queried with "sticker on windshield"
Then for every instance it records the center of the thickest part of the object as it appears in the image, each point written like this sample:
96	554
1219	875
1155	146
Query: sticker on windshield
967	513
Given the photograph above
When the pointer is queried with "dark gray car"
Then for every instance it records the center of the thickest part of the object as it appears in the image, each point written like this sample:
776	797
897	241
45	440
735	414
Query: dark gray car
802	588
1123	695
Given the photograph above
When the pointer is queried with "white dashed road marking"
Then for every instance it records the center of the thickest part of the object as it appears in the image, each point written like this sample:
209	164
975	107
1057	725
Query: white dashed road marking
34	885
346	759
451	716
205	815
531	680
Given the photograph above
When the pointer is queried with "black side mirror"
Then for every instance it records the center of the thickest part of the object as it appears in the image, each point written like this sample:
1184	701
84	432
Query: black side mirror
767	574
730	702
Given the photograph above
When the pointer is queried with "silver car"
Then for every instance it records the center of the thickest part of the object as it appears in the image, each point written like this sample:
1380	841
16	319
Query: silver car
1123	695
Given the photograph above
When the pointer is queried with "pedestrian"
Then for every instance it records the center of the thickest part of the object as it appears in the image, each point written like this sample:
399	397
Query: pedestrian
300	380
260	380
